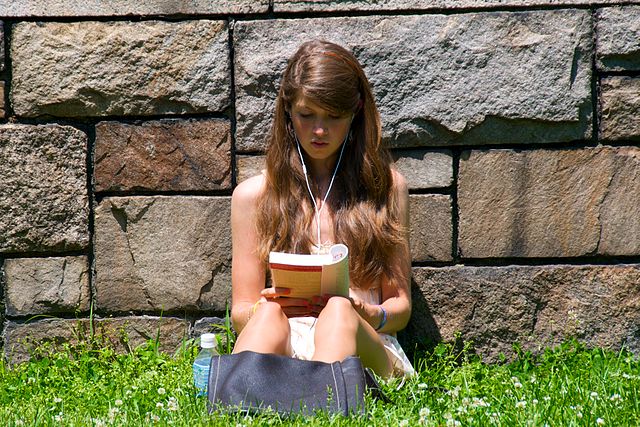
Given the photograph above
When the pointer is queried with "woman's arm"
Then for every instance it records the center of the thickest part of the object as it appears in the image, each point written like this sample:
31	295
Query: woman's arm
395	301
247	271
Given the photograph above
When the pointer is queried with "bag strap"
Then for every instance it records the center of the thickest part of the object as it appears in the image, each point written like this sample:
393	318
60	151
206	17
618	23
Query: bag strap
374	387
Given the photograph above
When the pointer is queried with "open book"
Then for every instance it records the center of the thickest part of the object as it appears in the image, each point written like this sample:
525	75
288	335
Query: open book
309	275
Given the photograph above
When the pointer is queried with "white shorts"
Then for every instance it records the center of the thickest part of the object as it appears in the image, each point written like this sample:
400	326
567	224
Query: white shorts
303	331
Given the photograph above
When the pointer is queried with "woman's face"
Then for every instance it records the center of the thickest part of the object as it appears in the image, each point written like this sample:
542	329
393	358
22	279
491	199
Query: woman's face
319	131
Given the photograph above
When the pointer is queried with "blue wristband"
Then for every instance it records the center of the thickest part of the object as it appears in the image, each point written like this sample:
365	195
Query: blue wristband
384	318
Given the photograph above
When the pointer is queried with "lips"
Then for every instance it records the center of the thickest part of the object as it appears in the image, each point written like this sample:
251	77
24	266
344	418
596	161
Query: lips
319	144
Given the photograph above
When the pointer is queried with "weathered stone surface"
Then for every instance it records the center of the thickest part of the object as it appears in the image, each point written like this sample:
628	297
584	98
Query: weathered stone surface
162	253
425	169
2	112
178	155
91	8
379	5
119	68
46	285
207	325
431	227
248	166
43	188
421	168
517	77
618	38
121	333
535	306
561	203
1	44
620	108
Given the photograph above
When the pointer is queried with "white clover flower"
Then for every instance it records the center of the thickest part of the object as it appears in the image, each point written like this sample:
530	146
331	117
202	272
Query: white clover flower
594	395
515	380
479	403
425	412
579	415
521	404
128	393
161	390
403	423
534	401
112	414
152	417
600	421
118	402
455	392
533	379
172	404
57	418
517	384
97	422
134	387
453	423
461	410
19	422
57	400
159	405
546	398
616	398
423	385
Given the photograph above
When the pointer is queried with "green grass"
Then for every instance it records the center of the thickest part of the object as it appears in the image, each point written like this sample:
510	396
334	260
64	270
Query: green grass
89	385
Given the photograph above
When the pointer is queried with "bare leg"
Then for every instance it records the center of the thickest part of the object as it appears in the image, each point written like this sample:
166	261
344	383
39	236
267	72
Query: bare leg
266	332
341	332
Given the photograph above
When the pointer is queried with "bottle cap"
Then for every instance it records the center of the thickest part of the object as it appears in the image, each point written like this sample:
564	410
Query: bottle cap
208	340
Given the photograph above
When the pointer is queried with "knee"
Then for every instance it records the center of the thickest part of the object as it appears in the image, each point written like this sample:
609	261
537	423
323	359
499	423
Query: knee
339	308
270	312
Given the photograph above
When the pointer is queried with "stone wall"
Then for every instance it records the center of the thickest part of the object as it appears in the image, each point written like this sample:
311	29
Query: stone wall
124	128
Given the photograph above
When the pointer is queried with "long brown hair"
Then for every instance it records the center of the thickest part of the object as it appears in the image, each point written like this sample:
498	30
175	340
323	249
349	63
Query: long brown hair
362	202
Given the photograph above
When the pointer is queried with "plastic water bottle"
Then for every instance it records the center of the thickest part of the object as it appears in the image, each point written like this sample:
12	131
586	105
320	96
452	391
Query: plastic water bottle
202	362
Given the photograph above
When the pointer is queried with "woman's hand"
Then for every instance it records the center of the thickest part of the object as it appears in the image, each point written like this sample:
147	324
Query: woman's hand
369	312
291	307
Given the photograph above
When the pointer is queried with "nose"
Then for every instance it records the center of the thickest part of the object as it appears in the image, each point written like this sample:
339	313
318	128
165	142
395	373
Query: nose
320	128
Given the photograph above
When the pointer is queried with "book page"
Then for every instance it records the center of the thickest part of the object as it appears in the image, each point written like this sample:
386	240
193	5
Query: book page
302	283
310	275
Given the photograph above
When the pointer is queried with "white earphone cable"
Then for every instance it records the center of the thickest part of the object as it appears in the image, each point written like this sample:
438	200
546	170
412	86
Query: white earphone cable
326	195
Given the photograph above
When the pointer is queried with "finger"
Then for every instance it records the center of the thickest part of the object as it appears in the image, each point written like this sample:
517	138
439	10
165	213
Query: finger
293	302
275	292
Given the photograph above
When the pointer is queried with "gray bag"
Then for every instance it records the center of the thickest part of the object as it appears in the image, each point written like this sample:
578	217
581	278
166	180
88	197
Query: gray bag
252	382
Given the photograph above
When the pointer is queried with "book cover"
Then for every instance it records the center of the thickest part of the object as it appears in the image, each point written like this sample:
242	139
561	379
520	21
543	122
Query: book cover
309	275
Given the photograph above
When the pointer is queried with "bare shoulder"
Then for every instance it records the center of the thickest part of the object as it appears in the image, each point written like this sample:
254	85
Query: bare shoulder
246	193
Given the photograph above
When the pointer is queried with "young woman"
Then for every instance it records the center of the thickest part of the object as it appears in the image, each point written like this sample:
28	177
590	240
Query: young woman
328	180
